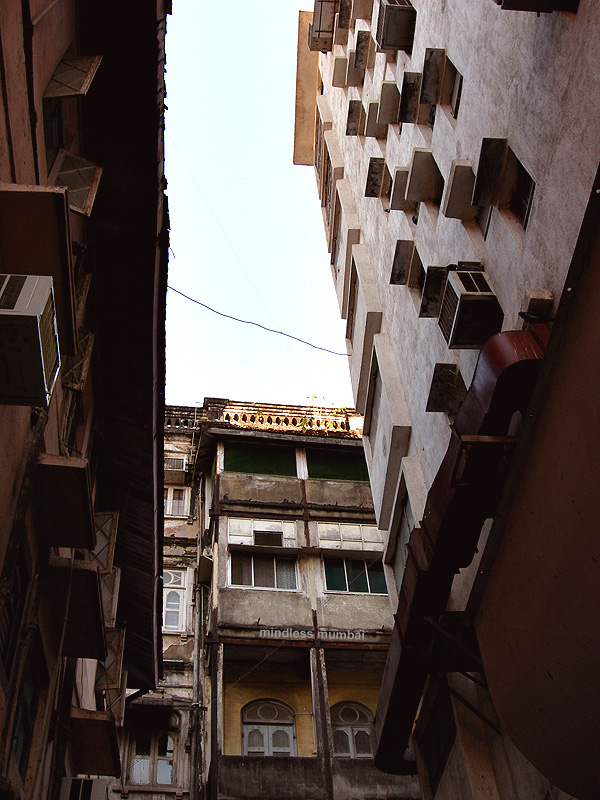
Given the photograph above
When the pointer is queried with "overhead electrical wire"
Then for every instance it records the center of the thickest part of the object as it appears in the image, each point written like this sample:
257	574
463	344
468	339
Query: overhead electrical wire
257	324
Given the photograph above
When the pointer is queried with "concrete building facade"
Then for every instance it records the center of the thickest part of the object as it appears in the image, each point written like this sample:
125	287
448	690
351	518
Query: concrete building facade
276	621
457	170
83	257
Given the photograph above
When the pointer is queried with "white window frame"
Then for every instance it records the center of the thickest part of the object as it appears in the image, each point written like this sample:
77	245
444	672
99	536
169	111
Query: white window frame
181	590
169	501
350	729
268	730
283	557
153	758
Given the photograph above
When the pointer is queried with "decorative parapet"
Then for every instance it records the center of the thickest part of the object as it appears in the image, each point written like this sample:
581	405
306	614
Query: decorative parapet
184	418
266	416
296	419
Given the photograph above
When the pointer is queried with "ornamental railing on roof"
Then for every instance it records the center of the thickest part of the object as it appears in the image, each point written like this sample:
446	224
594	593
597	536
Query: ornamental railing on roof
265	416
299	419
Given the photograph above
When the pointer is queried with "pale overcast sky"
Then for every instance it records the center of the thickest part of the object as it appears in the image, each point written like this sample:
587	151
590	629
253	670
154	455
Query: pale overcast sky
247	234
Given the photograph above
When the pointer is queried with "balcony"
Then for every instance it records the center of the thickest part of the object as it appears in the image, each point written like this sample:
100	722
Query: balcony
77	584
63	500
279	779
270	778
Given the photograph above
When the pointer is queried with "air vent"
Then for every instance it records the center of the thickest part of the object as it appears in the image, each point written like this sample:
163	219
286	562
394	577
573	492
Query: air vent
396	25
174	463
268	538
470	311
29	354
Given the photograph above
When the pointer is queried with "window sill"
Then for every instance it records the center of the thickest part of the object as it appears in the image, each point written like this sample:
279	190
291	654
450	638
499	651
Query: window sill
261	588
154	788
358	594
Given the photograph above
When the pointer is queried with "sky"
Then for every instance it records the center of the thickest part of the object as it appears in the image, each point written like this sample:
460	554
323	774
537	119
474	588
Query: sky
247	236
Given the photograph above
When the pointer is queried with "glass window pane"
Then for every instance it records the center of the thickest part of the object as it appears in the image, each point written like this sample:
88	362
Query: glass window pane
165	745
357	577
255	738
172	578
377	578
335	575
254	742
178	504
241	569
349	714
141	770
264	571
286	573
171	620
362	743
164	771
142	745
281	739
341	743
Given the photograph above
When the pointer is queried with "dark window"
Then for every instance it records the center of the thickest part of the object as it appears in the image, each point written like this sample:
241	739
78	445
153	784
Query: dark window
354	575
483	218
352	303
12	613
34	677
53	128
336	465
260	459
522	197
268	538
375	404
438	737
268	572
517	189
451	88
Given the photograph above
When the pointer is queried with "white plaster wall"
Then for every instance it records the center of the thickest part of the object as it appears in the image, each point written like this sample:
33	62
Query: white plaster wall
533	80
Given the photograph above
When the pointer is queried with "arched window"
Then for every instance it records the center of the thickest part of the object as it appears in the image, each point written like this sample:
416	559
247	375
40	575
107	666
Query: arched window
268	729
351	725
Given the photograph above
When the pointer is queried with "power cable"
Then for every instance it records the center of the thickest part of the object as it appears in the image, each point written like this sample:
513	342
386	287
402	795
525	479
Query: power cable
257	324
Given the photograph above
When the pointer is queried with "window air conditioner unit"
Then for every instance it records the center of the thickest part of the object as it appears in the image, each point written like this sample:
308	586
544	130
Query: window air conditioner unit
396	25
470	311
29	354
83	789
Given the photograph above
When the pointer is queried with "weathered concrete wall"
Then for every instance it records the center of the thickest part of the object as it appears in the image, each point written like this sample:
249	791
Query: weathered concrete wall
274	608
259	490
246	778
338	496
359	779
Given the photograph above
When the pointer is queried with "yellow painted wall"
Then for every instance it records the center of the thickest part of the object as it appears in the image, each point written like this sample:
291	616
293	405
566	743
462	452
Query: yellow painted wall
279	685
358	687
